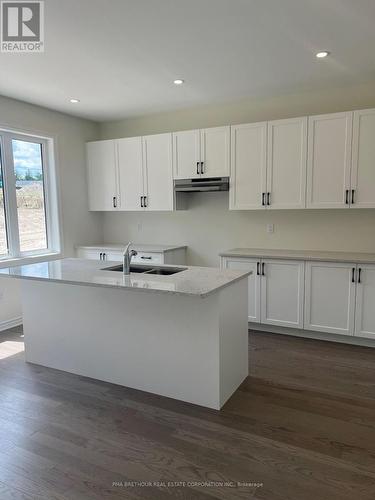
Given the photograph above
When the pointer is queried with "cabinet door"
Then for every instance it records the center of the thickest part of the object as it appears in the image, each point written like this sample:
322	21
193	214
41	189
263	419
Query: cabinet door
282	292
248	166
186	154
254	284
158	171
329	160
363	165
330	297
365	311
101	174
113	256
130	173
286	163
84	253
215	151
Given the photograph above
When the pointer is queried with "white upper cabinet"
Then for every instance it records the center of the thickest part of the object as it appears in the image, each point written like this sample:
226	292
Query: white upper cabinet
365	311
186	154
130	168
282	288
201	153
324	161
329	160
286	163
131	174
330	297
158	175
102	175
248	181
363	165
215	152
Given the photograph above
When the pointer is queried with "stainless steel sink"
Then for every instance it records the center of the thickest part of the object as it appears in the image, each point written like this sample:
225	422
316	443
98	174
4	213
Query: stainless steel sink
162	271
165	271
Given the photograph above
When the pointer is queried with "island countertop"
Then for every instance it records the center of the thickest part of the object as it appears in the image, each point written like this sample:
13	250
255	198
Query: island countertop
192	281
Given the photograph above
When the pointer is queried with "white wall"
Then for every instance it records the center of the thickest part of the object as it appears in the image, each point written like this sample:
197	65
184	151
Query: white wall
208	227
245	111
78	224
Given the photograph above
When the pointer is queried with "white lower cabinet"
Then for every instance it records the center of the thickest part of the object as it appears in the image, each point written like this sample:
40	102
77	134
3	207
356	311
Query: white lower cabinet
99	254
175	256
330	297
275	290
282	292
365	301
90	254
254	283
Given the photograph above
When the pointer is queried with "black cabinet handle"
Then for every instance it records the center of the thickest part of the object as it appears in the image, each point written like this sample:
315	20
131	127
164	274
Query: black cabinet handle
146	258
202	167
258	265
142	201
263	197
114	201
101	255
263	273
353	193
145	201
198	167
359	275
347	197
104	256
353	275
268	199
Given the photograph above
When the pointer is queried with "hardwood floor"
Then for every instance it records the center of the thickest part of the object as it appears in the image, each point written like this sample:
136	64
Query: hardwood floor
301	427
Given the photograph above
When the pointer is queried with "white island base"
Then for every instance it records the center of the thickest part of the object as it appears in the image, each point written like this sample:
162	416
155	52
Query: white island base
190	348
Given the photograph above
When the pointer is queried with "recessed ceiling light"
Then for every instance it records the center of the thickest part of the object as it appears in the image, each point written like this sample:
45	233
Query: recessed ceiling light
74	101
322	54
178	81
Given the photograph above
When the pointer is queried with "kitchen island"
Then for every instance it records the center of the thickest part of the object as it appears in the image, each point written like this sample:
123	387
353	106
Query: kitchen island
182	335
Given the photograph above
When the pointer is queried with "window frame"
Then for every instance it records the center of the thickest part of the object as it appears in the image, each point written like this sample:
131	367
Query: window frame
51	199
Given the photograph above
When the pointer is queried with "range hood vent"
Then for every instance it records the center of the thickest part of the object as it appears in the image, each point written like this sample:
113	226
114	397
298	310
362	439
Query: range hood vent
199	185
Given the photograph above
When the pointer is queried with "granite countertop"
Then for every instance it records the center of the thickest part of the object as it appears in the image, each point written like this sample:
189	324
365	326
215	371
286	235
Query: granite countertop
140	247
193	281
313	255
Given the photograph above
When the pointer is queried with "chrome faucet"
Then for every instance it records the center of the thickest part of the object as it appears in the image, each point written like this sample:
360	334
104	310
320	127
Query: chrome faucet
128	254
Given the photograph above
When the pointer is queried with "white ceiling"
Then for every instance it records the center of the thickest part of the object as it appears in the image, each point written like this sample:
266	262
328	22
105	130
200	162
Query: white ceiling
120	57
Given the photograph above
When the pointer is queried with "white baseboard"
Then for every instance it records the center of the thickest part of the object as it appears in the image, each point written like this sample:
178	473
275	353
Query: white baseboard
10	323
308	334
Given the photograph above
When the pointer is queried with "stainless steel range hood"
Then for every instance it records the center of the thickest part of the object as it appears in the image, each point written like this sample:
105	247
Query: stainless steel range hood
196	185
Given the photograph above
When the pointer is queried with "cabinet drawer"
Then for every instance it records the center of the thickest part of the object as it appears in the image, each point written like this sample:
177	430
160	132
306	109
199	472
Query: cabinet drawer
144	258
88	254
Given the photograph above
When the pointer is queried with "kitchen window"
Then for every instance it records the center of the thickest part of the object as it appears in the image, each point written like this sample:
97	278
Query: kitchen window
29	223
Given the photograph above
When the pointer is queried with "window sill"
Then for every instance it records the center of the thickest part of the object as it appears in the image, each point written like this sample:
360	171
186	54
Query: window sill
32	259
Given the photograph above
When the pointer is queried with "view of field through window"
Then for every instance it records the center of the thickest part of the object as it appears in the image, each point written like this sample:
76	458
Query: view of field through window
28	168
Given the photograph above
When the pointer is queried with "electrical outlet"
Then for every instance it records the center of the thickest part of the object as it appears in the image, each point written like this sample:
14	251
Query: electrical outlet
270	228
